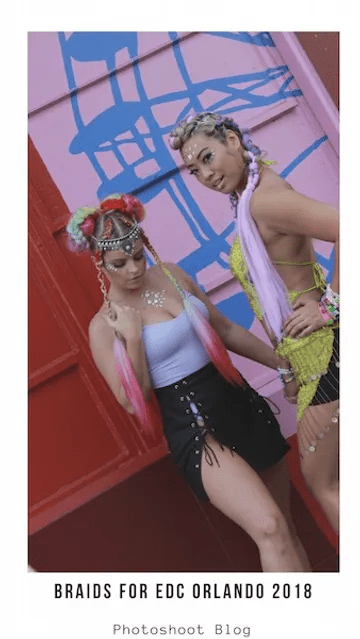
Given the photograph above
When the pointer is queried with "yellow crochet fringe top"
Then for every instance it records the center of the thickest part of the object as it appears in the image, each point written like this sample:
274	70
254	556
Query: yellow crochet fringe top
309	356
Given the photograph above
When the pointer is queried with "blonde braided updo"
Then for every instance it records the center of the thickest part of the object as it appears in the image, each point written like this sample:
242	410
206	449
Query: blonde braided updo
212	125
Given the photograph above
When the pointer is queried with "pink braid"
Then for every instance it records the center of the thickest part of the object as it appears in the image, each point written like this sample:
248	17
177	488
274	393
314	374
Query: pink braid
131	385
208	336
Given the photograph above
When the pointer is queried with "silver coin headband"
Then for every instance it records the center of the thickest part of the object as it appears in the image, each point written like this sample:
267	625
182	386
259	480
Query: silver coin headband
124	243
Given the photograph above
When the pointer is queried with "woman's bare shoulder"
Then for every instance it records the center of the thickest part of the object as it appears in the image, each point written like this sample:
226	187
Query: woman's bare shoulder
272	191
272	181
98	327
182	278
284	210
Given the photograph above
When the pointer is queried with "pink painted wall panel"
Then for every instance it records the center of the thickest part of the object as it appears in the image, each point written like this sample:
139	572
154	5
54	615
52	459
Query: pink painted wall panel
47	78
112	136
51	132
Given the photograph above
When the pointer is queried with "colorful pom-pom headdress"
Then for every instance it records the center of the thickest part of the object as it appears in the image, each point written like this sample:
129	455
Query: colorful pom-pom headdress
82	225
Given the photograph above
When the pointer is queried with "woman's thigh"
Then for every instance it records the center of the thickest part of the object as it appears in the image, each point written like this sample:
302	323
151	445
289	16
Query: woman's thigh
237	491
318	436
277	481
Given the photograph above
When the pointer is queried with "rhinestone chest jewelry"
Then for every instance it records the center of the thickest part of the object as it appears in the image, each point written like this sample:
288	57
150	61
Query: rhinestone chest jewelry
152	298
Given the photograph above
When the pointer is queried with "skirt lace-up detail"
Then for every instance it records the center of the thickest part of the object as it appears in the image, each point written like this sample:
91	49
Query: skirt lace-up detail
203	407
209	453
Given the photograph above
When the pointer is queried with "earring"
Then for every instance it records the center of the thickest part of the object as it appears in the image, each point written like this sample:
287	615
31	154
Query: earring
234	199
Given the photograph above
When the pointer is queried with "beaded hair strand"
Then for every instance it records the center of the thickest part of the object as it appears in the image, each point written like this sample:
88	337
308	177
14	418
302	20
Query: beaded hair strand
98	261
150	248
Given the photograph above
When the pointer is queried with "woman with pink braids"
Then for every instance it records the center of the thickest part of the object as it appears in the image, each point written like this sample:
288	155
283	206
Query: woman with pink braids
274	260
158	334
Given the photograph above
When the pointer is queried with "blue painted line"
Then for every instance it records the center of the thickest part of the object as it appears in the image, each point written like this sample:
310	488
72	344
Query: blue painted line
99	135
262	39
71	81
302	156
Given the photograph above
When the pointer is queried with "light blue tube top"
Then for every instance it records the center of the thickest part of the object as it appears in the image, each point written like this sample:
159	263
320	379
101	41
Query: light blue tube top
173	349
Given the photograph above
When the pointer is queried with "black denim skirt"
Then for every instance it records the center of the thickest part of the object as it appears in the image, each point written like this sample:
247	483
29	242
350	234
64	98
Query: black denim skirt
236	416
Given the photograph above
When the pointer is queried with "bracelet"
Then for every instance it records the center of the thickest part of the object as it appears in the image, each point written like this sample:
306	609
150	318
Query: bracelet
292	398
284	371
334	298
328	320
330	302
286	375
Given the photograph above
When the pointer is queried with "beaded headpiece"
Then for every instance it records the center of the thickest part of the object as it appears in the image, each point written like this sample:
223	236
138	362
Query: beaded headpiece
124	243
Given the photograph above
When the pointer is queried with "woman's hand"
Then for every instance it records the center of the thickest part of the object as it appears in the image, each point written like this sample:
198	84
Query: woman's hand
125	321
291	391
290	388
305	319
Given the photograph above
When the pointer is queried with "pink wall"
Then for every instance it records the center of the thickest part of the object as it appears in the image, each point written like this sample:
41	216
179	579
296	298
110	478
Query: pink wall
100	109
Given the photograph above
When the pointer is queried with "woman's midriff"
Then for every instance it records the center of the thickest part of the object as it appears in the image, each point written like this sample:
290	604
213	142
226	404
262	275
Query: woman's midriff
293	256
299	280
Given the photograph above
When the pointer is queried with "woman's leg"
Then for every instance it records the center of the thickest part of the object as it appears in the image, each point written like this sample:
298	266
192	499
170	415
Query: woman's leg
318	436
277	481
238	492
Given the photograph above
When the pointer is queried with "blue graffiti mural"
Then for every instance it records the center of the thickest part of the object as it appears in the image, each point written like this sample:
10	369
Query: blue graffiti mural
117	126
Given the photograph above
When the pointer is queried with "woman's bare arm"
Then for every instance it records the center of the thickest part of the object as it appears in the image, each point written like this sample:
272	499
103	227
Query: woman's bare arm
291	213
102	344
235	338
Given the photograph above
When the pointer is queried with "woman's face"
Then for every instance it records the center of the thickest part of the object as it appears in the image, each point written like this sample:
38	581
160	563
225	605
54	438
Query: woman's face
126	271
218	166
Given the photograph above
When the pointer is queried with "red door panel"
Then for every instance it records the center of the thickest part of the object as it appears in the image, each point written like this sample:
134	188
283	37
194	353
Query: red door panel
43	344
81	441
67	443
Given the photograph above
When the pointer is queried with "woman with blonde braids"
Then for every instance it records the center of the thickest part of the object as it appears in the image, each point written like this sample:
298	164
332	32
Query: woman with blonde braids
157	330
274	260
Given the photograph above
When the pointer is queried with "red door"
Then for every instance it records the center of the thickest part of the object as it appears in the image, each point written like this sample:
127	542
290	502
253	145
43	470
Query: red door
81	441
